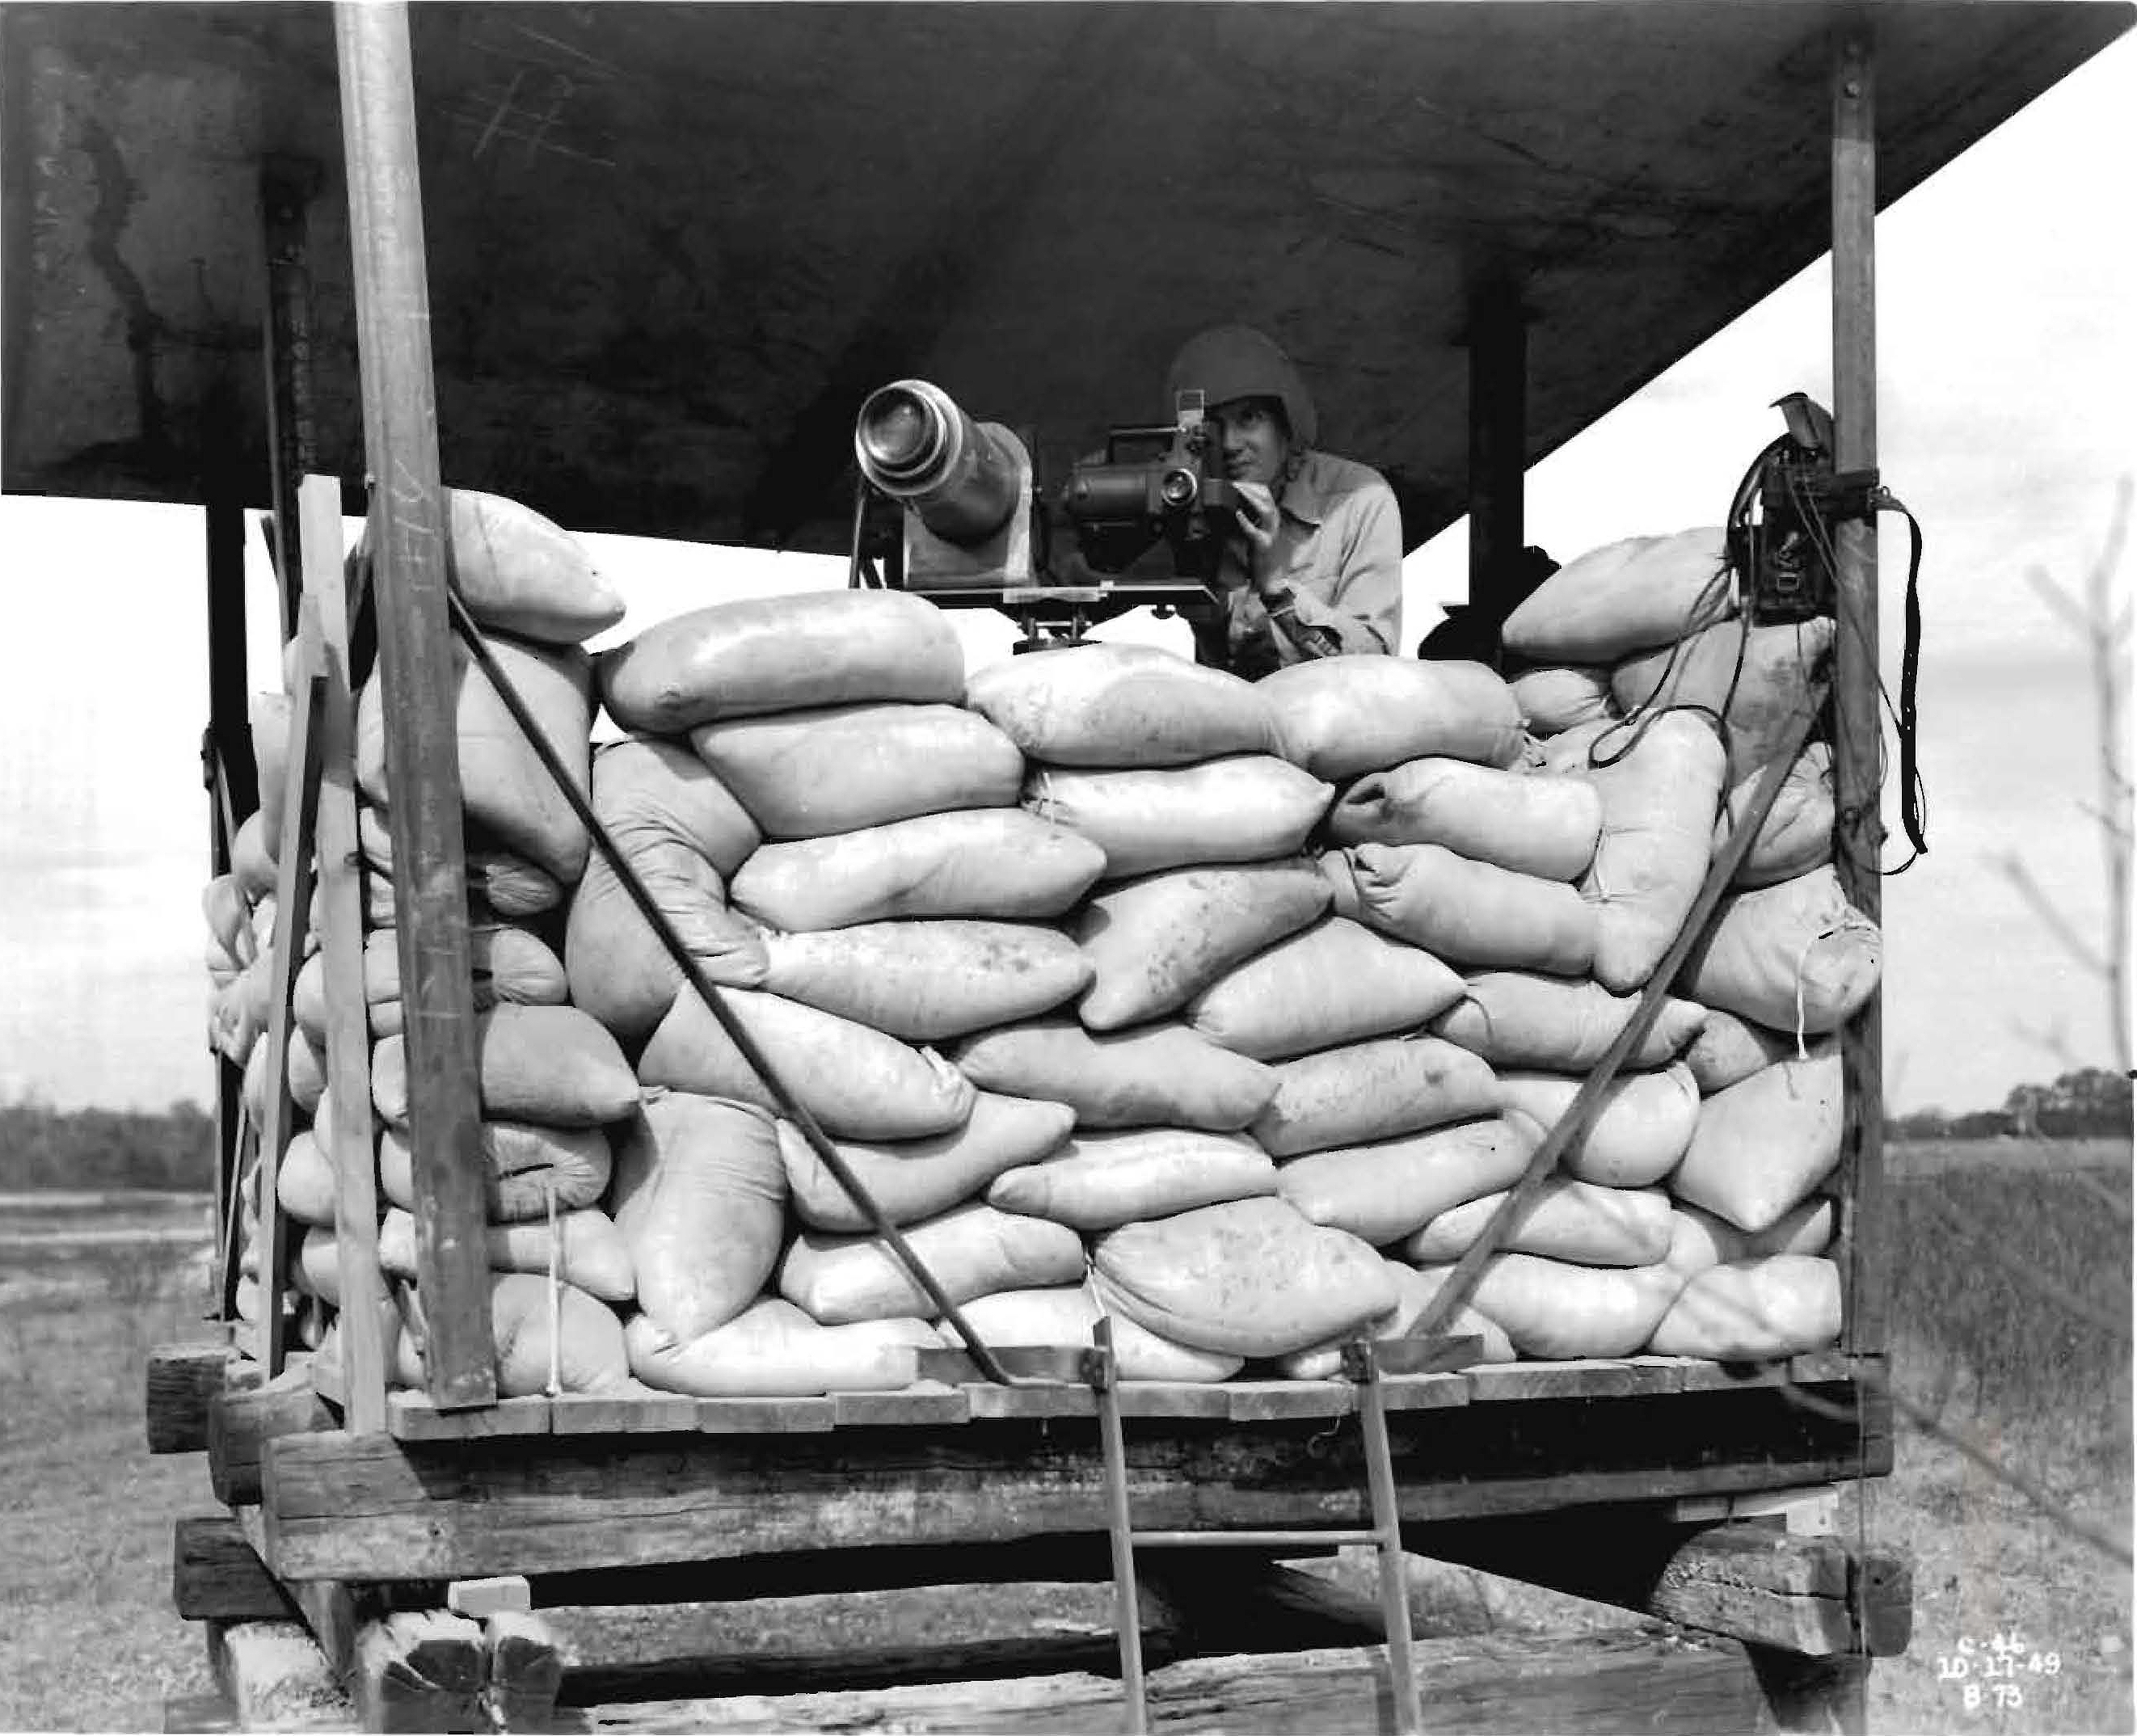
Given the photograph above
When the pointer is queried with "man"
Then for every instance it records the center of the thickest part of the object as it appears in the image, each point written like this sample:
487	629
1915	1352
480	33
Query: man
1315	568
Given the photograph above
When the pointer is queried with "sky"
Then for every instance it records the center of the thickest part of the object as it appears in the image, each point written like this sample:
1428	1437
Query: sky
2007	367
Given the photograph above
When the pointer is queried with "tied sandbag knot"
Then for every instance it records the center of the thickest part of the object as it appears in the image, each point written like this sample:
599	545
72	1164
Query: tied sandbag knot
1854	922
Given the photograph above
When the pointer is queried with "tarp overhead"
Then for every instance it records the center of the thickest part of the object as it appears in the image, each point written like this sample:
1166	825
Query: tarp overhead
671	247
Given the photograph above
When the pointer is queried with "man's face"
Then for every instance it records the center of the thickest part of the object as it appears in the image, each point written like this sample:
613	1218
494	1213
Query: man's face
1255	444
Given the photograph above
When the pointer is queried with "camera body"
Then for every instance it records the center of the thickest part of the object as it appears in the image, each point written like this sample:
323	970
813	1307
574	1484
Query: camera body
1156	484
1780	541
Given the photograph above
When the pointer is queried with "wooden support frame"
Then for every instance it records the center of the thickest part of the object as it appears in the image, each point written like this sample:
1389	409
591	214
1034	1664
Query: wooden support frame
287	185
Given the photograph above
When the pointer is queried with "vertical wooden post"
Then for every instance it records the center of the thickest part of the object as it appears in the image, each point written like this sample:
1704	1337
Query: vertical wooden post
1858	742
286	186
1498	439
418	665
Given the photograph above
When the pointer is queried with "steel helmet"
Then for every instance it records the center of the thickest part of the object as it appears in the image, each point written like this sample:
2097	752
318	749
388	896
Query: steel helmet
1229	362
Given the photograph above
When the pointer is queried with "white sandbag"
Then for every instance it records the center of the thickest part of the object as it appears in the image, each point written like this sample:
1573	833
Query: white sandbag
842	768
509	964
1553	697
1422	1284
700	1200
588	1354
771	1349
1466	912
858	1082
1566	1219
1065	1315
1546	826
229	916
504	787
268	715
252	853
307	1072
926	981
1519	1019
314	1269
1341	715
1097	1181
916	1179
1386	1190
1000	862
1763	677
588	1250
1795	957
1333	983
1554	1309
682	834
522	574
1159	1075
1796	836
1415	1289
552	1065
1754	1311
1762	1146
972	1250
1120	706
506	884
523	1167
1248	807
1659	796
1698	1239
305	1183
1729	1048
1624	597
1638	1135
1155	941
1250	1277
234	1024
1373	1091
784	653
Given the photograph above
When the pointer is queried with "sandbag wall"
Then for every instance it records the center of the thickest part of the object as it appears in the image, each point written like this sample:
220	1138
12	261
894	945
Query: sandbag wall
1229	1009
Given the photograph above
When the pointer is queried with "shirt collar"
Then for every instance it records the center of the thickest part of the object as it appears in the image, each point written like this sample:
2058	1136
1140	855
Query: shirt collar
1306	496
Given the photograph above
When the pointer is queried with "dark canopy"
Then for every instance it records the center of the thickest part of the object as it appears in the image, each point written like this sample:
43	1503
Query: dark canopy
671	247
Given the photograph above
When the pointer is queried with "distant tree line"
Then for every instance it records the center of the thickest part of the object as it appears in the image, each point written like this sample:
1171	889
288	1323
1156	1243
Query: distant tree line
44	1147
2089	1103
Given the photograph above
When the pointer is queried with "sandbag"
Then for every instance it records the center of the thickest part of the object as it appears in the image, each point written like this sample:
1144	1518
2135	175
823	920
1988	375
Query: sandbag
1729	1048
1796	836
1334	982
1659	797
999	863
682	834
523	1166
589	1354
1754	1311
700	1200
314	1267
522	574
229	918
305	1183
1120	706
1065	1314
916	1179
1763	678
859	1083
1698	1239
1468	912
1566	1220
1554	1309
589	1251
307	1072
841	768
1099	1180
252	853
510	964
553	1065
1546	826
1415	1289
1519	1019
1638	1136
1250	1277
509	885
1338	716
1160	1075
972	1250
234	1024
771	1349
1155	941
1248	807
784	653
1386	1190
1555	696
1762	1146
931	980
1373	1091
1797	957
1422	1284
504	787
268	715
1624	597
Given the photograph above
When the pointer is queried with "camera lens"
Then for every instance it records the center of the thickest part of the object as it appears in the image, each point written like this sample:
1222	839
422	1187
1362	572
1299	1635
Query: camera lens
1177	487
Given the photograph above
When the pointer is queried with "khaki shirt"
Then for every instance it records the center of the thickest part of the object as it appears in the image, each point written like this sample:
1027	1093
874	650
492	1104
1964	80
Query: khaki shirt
1339	548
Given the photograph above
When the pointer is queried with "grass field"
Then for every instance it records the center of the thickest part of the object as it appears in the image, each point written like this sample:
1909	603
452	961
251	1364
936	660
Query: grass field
2011	1305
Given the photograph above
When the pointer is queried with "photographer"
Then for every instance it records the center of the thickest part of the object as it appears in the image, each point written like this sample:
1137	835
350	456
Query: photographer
1314	568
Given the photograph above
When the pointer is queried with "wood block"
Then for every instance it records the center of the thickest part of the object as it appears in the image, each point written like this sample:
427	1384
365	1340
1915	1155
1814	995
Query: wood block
636	1411
422	1669
525	1669
182	1381
215	1576
333	1611
1586	1377
242	1421
984	1398
410	1416
924	1402
479	1599
1821	1368
1257	1401
198	1714
764	1416
276	1679
1424	1392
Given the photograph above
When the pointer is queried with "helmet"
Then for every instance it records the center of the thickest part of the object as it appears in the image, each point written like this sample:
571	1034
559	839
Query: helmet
1229	362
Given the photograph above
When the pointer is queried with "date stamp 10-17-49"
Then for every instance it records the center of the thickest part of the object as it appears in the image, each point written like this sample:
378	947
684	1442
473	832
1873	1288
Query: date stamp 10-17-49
1992	1674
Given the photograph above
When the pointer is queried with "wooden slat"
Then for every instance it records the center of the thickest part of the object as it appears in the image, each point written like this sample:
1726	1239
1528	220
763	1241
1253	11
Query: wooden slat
1588	1378
1174	1398
1052	1399
1424	1392
923	1401
1821	1368
1258	1401
639	1411
182	1381
412	1416
765	1416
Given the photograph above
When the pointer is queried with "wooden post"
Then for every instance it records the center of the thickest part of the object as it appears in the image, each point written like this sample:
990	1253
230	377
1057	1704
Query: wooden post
286	186
1499	438
1858	747
418	665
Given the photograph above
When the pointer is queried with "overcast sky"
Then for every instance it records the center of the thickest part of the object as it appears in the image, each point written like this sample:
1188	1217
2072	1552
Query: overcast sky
2006	366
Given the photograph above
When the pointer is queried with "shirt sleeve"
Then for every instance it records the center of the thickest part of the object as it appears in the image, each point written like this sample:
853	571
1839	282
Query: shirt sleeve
1362	609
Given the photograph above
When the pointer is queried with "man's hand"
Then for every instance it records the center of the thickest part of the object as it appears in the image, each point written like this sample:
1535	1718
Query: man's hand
1258	516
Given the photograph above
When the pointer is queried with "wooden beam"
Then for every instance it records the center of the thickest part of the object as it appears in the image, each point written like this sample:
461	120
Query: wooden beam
287	185
232	780
275	1678
416	664
216	1575
183	1380
420	1670
242	1421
